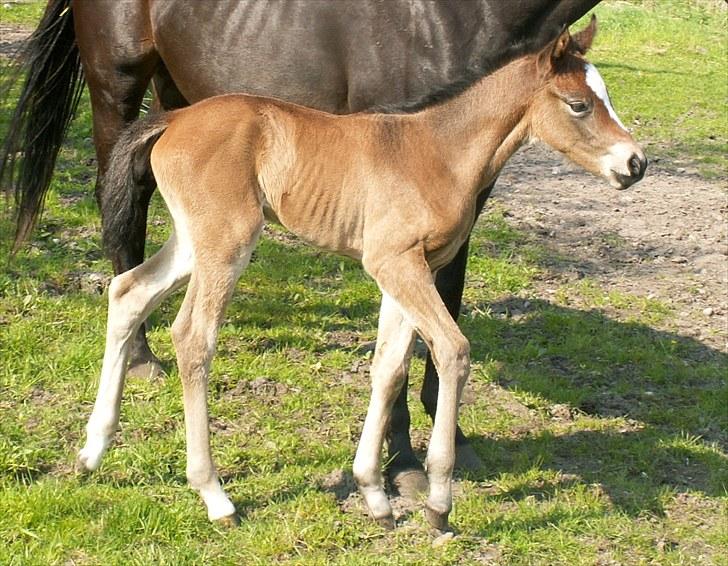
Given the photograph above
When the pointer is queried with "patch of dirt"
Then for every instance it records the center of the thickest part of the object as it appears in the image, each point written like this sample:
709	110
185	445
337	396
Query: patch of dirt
11	39
664	238
342	485
263	388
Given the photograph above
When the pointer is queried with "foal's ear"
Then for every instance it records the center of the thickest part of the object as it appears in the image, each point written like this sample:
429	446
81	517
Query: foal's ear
555	49
584	38
560	45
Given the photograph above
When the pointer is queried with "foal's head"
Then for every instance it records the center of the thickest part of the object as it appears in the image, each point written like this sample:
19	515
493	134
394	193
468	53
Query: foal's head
573	114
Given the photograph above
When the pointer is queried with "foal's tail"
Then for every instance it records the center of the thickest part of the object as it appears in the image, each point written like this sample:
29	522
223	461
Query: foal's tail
47	102
128	172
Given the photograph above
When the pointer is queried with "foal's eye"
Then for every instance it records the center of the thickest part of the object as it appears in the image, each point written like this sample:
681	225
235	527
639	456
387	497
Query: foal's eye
578	107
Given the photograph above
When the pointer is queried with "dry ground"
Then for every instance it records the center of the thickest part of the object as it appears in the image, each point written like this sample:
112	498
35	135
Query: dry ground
664	238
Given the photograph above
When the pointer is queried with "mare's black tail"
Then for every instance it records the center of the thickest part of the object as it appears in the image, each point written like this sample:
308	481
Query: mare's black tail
128	173
48	100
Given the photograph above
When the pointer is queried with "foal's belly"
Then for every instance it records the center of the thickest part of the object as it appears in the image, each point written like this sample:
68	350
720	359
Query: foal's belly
321	217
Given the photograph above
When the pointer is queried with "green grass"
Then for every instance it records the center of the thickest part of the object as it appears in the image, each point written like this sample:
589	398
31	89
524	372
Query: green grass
604	436
21	12
666	66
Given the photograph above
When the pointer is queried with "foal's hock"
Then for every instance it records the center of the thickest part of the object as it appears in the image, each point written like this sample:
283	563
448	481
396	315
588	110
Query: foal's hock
396	191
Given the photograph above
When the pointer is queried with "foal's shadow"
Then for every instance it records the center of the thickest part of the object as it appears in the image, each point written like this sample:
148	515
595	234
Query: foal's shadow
669	390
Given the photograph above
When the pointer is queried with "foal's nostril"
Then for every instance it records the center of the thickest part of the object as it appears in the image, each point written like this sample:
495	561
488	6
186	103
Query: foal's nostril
637	165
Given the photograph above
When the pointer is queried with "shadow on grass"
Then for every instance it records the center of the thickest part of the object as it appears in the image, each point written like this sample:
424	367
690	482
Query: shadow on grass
673	386
669	391
634	469
607	368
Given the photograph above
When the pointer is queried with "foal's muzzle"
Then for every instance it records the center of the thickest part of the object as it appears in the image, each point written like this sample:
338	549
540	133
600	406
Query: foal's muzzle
636	166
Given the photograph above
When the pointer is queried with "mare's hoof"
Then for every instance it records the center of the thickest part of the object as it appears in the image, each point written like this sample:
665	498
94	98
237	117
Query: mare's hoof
229	521
467	460
386	522
145	369
411	484
437	519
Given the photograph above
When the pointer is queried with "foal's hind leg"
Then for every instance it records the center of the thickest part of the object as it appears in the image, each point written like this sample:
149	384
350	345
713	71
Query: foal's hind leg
133	295
194	334
395	339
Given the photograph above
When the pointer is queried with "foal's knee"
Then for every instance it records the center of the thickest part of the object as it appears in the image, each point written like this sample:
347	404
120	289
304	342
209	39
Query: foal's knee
390	373
119	288
123	313
453	360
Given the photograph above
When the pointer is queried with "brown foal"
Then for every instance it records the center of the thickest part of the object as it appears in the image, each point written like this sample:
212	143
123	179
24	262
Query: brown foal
396	191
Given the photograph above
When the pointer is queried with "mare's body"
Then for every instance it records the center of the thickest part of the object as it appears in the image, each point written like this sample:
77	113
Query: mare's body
340	56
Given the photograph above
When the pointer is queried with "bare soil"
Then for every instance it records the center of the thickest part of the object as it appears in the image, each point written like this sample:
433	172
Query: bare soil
664	238
11	38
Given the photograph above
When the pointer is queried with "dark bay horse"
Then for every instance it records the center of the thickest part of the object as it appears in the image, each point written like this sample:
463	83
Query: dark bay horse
339	56
396	191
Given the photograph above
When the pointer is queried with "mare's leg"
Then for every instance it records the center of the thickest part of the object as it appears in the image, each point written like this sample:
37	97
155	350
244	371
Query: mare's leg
194	334
404	470
408	281
166	94
133	295
118	71
395	339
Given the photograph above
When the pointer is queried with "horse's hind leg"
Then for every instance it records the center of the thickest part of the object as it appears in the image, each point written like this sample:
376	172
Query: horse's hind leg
118	72
194	334
395	339
133	295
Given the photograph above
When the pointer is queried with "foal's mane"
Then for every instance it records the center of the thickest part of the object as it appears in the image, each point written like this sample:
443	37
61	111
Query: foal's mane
470	76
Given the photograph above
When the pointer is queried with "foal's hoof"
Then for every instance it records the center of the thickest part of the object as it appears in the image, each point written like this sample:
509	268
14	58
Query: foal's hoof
87	461
145	369
467	460
80	467
411	484
437	519
229	521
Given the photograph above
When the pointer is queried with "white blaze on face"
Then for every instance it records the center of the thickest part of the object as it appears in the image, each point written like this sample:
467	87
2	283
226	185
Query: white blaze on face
595	82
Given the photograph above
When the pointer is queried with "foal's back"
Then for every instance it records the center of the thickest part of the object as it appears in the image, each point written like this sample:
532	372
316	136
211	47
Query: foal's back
319	174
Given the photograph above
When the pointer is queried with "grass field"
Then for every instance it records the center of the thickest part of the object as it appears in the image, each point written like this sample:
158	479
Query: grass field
572	477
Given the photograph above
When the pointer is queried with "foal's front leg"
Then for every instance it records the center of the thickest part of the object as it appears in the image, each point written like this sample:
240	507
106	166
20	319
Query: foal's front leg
395	339
407	279
404	469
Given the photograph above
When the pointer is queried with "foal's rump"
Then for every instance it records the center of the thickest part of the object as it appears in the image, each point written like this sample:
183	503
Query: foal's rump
205	167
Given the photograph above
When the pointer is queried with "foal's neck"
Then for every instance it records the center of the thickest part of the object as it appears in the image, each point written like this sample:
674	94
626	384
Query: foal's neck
481	128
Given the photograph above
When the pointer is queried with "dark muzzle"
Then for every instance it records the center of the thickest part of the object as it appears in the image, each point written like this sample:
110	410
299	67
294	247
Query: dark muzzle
637	166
